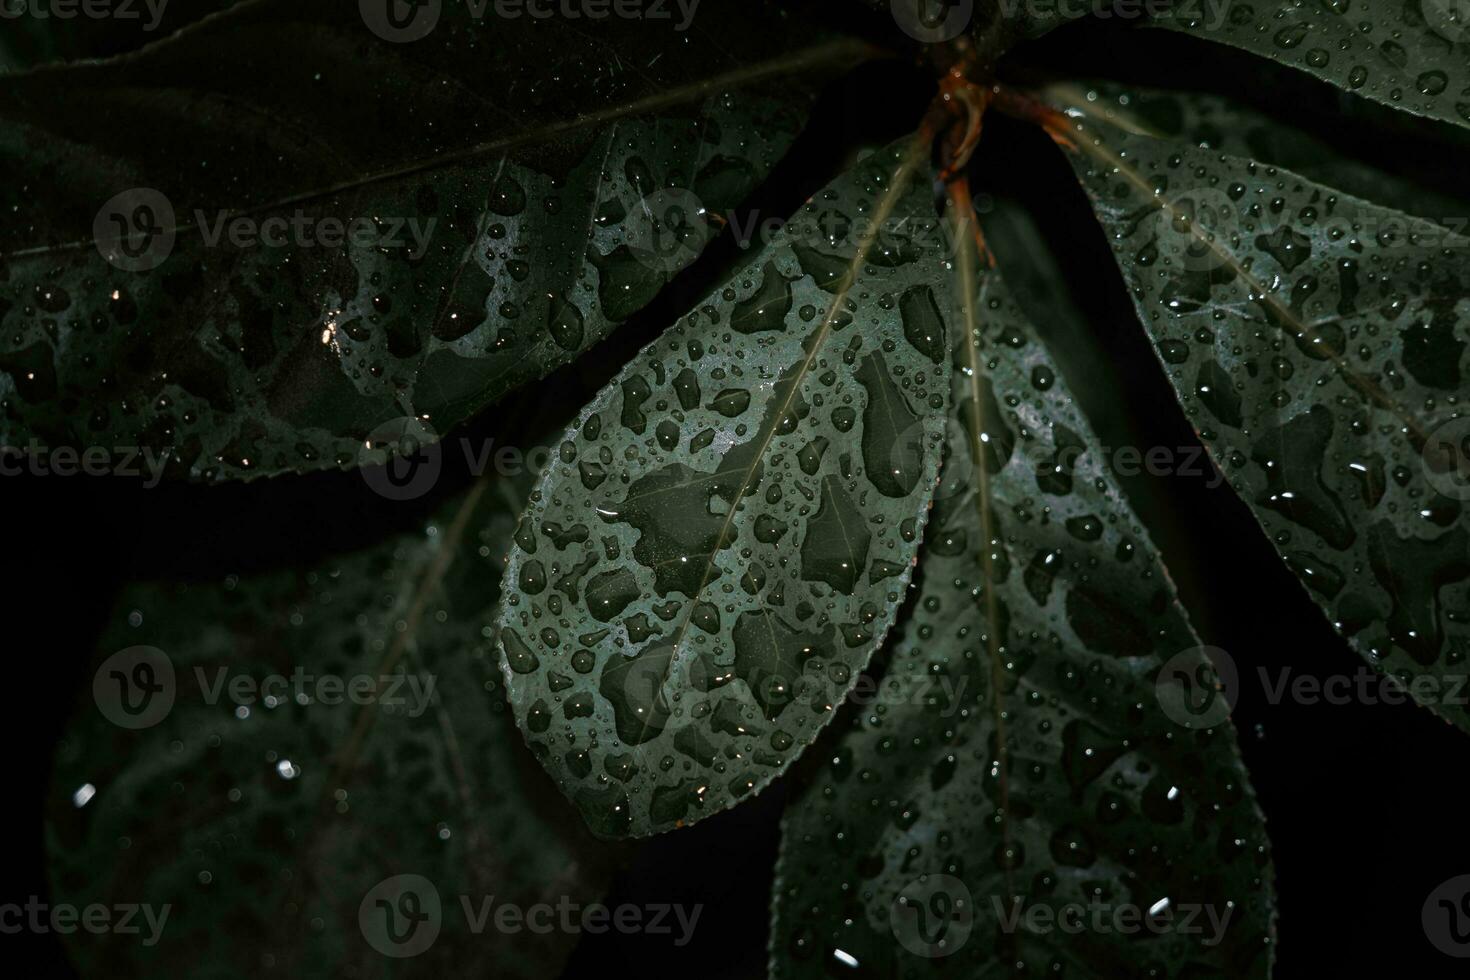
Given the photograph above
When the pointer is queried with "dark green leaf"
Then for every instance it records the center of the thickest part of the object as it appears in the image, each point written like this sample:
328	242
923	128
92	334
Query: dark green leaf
265	812
32	35
516	186
1014	754
1410	54
1318	344
1215	123
729	527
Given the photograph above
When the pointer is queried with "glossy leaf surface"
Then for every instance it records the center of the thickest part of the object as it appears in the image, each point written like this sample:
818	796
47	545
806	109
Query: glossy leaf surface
1318	344
322	231
1013	757
1415	184
296	740
729	527
33	35
1412	55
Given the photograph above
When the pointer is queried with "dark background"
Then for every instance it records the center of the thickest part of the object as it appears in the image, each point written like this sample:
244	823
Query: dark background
1364	803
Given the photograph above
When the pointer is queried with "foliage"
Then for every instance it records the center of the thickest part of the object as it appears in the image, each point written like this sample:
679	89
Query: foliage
846	500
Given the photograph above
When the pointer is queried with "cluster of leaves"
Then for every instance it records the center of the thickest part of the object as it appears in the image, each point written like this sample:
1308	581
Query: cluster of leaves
855	458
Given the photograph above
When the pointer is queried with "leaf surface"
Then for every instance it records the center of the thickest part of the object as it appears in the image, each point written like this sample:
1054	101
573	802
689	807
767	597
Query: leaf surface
322	233
29	41
265	802
728	528
1415	184
1013	755
1317	342
1413	55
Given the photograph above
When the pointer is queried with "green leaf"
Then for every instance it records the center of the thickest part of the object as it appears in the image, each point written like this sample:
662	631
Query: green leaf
727	531
29	41
1411	55
265	801
1317	343
516	187
1215	123
1014	754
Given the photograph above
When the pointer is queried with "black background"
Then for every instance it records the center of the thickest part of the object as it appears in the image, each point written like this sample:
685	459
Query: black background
1364	803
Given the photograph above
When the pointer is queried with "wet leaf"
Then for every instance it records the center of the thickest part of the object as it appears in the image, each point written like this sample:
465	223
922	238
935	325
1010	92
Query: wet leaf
1216	123
1013	756
322	232
312	734
1410	55
1317	342
727	530
29	41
